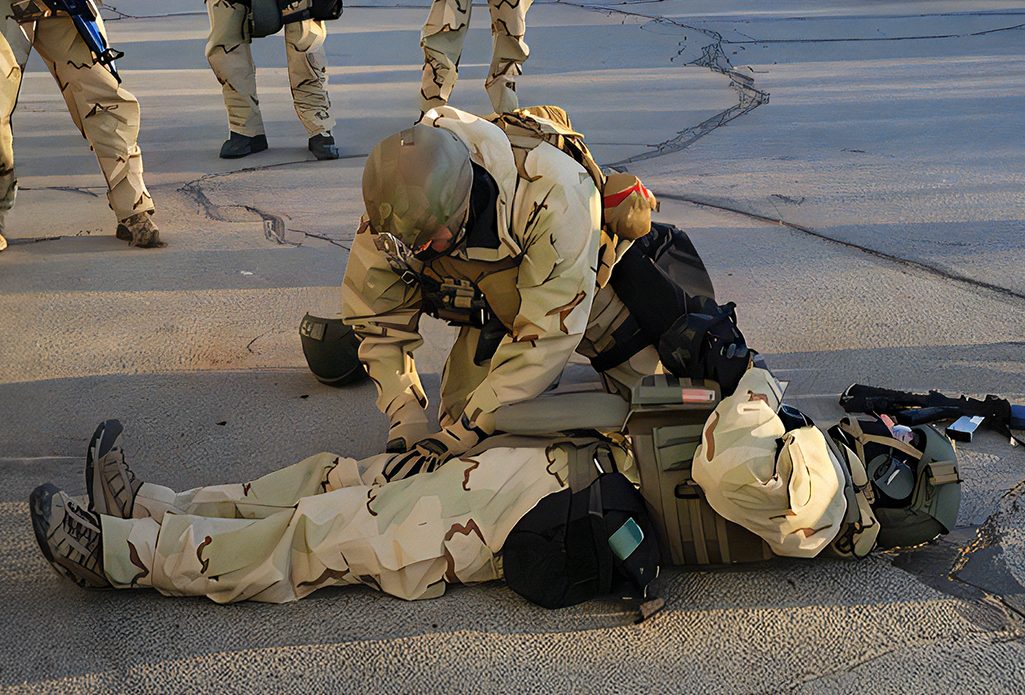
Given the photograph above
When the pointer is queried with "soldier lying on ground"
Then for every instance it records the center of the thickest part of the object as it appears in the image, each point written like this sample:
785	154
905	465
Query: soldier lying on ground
105	113
331	520
491	227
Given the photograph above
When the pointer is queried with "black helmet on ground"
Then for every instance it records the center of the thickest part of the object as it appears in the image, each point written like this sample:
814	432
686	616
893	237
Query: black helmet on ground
332	351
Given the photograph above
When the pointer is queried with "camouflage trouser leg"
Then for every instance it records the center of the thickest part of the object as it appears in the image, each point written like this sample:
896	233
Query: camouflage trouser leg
14	48
307	74
283	536
509	50
460	376
230	56
106	114
442	42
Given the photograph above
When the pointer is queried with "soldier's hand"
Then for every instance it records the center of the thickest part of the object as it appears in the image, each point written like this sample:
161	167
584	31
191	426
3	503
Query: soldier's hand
425	457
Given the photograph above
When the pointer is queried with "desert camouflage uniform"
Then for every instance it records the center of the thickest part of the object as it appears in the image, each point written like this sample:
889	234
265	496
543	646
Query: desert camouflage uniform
442	40
540	281
106	114
229	54
322	522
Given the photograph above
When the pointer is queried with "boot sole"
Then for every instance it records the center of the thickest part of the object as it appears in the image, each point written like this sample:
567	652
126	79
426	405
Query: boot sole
100	445
39	504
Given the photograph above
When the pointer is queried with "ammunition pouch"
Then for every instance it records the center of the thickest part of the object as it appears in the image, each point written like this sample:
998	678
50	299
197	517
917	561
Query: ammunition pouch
459	302
666	418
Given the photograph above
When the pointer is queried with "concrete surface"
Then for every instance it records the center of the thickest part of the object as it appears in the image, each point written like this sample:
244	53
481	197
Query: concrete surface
891	139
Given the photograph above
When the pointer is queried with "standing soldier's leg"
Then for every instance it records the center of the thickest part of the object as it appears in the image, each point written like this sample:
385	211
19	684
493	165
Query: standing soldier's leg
231	58
307	75
108	117
14	48
509	50
442	40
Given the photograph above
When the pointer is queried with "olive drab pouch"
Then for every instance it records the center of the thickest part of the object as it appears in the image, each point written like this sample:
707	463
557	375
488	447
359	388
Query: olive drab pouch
576	545
705	343
665	422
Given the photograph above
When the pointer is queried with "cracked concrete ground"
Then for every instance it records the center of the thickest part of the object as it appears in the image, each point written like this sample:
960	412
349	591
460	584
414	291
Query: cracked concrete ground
867	219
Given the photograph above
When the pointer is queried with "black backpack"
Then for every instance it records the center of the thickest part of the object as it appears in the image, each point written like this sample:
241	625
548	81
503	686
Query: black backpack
575	546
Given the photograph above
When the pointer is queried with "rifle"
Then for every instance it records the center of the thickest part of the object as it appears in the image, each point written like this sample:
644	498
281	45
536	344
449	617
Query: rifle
83	15
917	409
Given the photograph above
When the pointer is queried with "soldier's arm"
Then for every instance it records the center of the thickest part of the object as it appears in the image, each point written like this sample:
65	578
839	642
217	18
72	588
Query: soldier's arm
556	283
384	312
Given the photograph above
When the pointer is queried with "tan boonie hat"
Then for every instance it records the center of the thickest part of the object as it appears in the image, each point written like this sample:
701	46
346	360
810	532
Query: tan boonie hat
792	495
417	181
627	206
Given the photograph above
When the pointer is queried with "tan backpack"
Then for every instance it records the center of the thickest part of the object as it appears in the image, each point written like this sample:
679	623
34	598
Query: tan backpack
626	203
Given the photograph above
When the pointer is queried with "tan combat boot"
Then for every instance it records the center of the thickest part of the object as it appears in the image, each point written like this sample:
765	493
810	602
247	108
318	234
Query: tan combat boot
110	483
69	536
139	230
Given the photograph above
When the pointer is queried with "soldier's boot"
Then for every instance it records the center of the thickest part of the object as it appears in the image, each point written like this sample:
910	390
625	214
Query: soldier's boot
238	145
109	482
322	145
3	241
139	230
69	536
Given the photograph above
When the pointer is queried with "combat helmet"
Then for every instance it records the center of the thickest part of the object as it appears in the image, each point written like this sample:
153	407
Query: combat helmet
332	350
416	182
916	484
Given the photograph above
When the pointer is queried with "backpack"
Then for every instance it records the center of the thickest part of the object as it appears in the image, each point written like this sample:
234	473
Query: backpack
577	545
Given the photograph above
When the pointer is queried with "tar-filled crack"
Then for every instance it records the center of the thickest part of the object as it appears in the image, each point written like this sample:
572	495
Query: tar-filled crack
274	227
937	271
67	189
712	57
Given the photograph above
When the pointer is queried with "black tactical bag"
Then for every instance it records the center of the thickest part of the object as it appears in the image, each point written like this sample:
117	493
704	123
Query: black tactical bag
575	546
268	16
705	343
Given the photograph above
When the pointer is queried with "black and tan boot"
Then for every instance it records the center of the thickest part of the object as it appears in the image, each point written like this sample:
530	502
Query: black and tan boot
109	482
69	536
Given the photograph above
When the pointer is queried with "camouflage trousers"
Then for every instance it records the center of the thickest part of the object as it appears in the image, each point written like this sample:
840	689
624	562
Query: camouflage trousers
231	58
442	42
320	523
105	113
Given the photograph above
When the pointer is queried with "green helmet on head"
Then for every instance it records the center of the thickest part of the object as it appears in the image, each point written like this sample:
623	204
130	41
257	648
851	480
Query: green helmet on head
417	182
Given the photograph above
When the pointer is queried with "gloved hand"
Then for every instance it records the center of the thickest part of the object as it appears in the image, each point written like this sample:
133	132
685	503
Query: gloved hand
408	426
432	451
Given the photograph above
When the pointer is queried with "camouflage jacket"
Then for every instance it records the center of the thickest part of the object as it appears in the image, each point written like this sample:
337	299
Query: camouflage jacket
549	216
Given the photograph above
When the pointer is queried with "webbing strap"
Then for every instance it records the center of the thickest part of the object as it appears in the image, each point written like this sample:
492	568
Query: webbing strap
942	473
851	427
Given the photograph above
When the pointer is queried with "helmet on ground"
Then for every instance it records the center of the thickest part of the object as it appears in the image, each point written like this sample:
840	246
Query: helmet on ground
917	485
416	182
332	351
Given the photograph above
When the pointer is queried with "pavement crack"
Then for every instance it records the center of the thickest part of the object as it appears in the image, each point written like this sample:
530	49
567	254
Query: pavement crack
249	345
925	37
714	58
937	271
68	189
